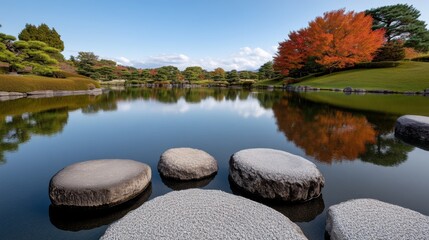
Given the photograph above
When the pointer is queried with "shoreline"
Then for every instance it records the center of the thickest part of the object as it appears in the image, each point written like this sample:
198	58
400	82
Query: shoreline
6	96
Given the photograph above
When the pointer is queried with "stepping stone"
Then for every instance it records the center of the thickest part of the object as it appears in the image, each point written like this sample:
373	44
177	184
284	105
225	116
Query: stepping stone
186	164
413	129
295	211
274	174
99	183
203	214
373	219
77	219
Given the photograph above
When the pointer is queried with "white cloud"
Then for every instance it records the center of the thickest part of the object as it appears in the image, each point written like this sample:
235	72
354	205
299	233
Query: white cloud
123	61
246	58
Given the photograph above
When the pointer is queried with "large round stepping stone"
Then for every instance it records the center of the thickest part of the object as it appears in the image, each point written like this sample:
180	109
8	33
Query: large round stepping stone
413	128
203	214
99	183
186	164
275	174
373	219
77	219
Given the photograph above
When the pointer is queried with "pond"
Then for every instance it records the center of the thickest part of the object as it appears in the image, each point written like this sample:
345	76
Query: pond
354	148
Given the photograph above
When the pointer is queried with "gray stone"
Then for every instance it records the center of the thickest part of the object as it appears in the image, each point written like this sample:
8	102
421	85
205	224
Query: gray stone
99	183
413	128
275	174
348	89
45	92
373	219
203	214
17	94
186	164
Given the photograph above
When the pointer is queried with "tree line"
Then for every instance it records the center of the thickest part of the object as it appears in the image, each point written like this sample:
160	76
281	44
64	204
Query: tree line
89	64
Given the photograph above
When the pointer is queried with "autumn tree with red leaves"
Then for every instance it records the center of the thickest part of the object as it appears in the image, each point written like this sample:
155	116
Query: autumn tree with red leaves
337	40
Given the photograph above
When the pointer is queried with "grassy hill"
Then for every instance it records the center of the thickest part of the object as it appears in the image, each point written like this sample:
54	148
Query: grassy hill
28	83
409	76
397	104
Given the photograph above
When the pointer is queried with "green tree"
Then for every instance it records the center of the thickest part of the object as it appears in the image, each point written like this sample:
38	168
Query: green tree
218	74
42	33
169	73
266	71
7	53
145	74
391	51
401	23
232	76
106	72
86	62
193	73
37	55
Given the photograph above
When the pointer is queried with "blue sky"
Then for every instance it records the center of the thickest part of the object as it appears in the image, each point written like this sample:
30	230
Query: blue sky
239	34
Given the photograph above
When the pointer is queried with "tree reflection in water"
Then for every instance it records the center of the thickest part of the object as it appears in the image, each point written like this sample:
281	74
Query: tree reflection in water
329	134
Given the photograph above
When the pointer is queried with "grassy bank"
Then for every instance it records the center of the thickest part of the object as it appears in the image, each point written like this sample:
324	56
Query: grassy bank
28	83
409	76
397	104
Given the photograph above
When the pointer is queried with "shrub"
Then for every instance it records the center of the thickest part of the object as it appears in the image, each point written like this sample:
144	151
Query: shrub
384	64
91	86
58	74
421	59
4	70
391	51
247	83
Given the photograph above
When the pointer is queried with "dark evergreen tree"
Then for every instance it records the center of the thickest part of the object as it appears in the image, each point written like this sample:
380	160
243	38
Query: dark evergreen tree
42	33
401	23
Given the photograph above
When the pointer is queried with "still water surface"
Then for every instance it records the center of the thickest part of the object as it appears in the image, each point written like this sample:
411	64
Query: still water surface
355	150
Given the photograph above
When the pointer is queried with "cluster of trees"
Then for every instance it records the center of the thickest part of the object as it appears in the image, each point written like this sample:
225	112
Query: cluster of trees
37	50
89	64
340	39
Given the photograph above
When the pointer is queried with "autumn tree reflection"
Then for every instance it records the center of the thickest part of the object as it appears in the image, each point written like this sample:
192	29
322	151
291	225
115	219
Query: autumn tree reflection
325	134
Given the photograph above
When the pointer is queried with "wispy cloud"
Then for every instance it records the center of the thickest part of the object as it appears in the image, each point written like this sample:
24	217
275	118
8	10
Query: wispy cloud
246	58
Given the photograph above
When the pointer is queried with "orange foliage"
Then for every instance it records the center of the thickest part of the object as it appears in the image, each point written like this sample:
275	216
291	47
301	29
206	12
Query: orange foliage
328	136
410	53
337	40
293	53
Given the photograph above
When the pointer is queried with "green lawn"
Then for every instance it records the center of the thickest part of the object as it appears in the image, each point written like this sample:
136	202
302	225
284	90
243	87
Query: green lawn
28	83
268	82
397	104
409	76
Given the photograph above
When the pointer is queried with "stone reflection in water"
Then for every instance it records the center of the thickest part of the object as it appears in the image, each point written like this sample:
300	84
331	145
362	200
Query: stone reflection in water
177	185
75	219
296	212
325	134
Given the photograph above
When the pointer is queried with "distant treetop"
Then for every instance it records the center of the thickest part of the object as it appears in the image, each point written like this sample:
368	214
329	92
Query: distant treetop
42	33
